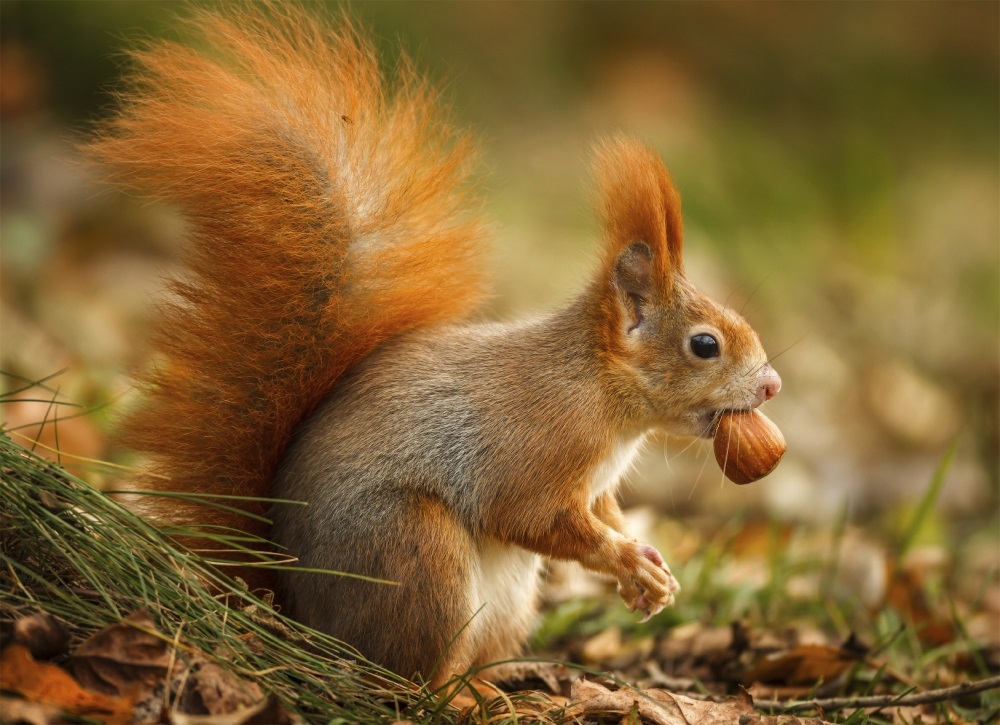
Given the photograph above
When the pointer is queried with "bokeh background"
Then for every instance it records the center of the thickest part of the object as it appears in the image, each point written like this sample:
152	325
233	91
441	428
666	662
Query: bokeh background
840	170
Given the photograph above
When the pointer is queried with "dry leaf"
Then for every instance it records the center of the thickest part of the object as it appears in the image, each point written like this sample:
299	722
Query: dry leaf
907	596
603	646
666	708
125	657
696	640
132	641
47	684
553	675
804	665
208	689
42	634
265	712
657	706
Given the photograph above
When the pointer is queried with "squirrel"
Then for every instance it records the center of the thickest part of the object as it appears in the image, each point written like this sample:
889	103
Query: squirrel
320	346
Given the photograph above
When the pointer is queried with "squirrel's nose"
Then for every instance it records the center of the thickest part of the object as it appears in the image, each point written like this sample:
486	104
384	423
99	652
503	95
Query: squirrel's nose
768	385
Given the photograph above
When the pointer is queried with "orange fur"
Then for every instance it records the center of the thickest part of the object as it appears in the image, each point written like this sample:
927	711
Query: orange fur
295	163
638	202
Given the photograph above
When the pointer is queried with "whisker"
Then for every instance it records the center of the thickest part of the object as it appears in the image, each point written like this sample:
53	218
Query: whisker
697	479
782	352
722	467
759	285
739	439
772	358
690	443
729	447
666	454
666	459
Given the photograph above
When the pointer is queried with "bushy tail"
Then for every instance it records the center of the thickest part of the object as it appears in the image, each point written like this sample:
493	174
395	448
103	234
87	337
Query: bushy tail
328	211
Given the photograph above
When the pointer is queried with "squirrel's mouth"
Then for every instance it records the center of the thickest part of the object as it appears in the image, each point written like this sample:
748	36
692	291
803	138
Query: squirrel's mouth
708	420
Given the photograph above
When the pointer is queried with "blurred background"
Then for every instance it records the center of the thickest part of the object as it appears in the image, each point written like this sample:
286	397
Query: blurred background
840	171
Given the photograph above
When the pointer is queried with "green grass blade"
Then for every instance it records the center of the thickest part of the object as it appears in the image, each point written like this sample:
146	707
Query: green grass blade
927	501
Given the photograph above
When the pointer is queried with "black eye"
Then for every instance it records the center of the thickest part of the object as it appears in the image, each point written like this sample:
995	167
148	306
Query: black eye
704	346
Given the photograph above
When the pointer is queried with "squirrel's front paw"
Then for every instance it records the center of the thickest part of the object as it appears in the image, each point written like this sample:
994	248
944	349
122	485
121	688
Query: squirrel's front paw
645	582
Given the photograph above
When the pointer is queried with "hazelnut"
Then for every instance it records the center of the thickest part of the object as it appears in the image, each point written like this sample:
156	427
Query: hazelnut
748	445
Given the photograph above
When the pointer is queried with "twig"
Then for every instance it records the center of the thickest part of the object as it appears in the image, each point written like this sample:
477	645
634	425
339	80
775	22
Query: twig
879	701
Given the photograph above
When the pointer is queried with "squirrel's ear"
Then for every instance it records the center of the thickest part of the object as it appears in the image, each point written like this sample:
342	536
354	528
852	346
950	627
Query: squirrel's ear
638	203
632	277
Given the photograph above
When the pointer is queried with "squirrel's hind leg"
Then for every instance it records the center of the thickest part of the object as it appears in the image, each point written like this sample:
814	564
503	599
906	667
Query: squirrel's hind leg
504	593
415	626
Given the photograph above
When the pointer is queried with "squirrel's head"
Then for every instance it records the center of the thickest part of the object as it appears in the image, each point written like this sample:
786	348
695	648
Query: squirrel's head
679	356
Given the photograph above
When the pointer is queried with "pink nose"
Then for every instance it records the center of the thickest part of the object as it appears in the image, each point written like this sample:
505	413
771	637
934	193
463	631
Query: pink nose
768	385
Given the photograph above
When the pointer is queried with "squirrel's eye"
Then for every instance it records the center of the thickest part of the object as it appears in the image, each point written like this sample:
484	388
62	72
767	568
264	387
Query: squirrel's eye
705	346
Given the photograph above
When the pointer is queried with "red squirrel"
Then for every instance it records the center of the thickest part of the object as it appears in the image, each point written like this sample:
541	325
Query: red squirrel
319	346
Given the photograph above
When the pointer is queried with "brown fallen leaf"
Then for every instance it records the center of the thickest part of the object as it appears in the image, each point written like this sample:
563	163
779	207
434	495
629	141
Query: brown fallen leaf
42	634
803	665
656	706
124	657
602	646
515	675
907	595
667	708
44	683
265	712
208	689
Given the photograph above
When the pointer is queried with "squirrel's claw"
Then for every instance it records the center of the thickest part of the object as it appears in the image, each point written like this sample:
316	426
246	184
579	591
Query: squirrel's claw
650	587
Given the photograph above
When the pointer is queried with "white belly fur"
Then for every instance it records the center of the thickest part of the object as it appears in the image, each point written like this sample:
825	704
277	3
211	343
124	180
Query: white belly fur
505	584
505	594
609	472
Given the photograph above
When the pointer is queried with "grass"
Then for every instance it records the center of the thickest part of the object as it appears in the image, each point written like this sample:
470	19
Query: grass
902	654
76	553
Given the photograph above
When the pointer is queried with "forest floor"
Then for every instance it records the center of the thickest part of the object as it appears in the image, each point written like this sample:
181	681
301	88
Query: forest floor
105	619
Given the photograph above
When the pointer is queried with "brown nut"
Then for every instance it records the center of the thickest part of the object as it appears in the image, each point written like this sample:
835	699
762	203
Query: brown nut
748	445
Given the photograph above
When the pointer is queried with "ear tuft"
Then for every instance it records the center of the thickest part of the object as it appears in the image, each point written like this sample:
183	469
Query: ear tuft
638	202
